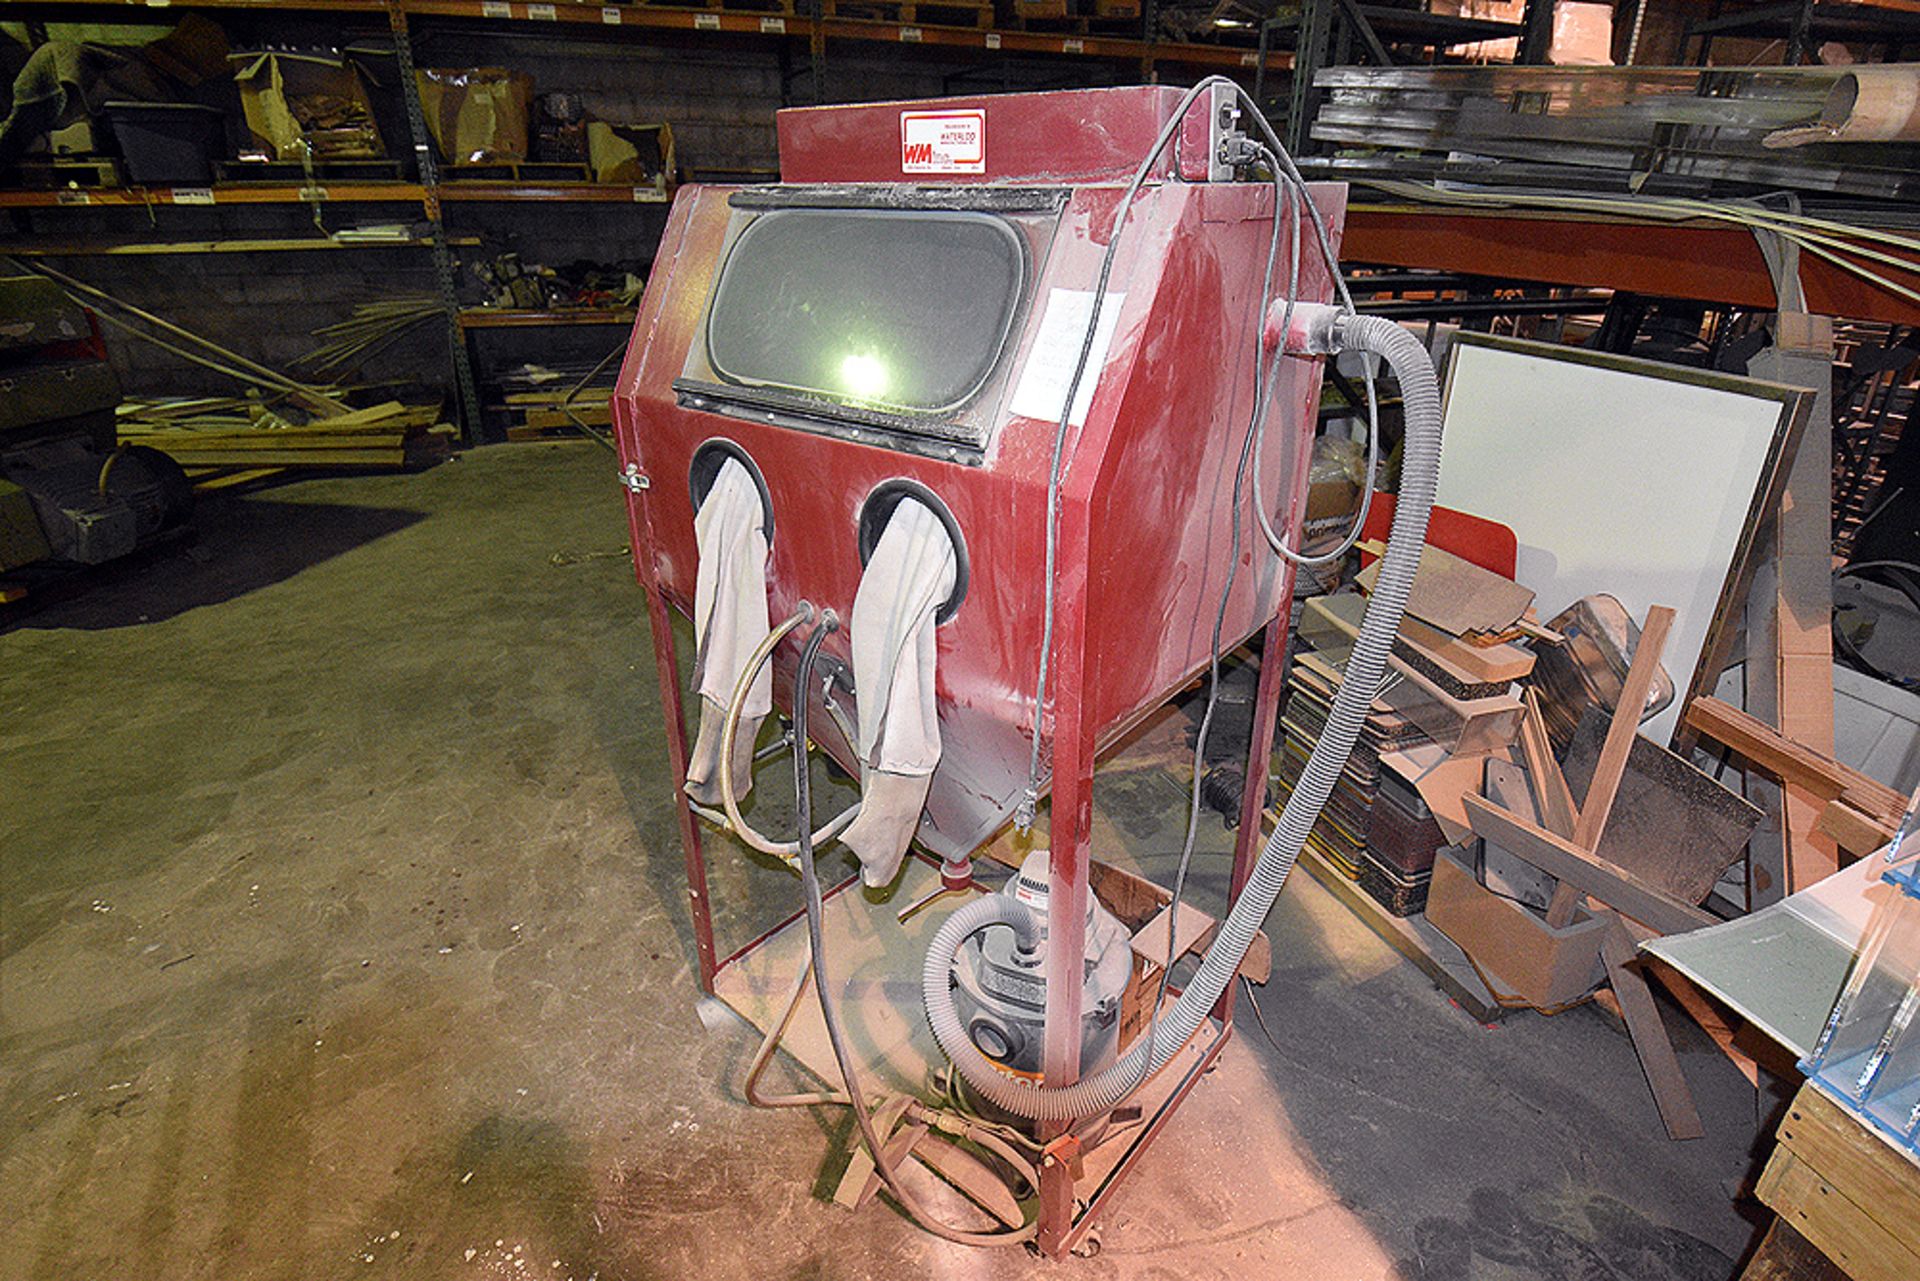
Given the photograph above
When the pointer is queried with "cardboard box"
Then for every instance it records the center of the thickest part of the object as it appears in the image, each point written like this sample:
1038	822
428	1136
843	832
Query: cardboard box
1149	959
300	104
631	155
477	115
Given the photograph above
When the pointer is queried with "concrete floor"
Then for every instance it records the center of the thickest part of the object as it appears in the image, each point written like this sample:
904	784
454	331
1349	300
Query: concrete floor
343	936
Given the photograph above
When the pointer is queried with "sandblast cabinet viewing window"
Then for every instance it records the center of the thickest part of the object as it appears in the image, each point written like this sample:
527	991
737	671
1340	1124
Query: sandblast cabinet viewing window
901	312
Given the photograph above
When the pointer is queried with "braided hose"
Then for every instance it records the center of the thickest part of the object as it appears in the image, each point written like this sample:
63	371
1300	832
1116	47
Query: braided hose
1420	478
730	730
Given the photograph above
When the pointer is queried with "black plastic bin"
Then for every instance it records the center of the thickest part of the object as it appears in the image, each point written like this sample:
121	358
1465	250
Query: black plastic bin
168	142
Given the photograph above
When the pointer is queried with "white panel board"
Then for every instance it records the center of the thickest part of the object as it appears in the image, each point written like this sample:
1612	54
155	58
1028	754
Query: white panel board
1620	476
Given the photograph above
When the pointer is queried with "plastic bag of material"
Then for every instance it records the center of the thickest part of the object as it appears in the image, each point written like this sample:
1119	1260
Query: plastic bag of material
477	115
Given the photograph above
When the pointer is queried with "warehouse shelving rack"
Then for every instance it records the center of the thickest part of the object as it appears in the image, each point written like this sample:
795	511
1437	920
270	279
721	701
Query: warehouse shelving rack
1803	24
719	21
433	191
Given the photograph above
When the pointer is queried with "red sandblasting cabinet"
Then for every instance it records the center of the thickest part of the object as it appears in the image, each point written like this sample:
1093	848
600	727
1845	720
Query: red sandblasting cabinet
1146	498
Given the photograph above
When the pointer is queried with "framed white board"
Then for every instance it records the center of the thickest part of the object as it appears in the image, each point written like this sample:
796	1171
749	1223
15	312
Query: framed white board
1643	480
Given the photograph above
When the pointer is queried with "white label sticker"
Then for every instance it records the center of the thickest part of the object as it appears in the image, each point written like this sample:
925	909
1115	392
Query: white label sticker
706	22
909	35
993	39
72	198
609	15
313	193
1249	59
495	9
643	194
943	141
192	195
543	13
1042	389
1073	46
774	26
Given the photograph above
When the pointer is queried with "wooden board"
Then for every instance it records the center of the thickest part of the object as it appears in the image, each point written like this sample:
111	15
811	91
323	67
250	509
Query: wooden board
1673	826
221	479
1859	1163
1552	797
199	442
290	457
1789	650
1586	872
1857	833
1789	760
1657	1059
1486	663
1334	622
1596	803
1457	596
1833	1222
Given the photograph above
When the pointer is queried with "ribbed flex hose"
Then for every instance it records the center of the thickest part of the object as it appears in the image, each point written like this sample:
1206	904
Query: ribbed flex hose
1420	477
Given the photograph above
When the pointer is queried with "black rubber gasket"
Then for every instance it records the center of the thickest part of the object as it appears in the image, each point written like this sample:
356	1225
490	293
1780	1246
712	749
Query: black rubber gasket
873	522
705	469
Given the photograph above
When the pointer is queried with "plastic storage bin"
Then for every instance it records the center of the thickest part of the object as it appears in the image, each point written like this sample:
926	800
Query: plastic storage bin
1868	1055
168	142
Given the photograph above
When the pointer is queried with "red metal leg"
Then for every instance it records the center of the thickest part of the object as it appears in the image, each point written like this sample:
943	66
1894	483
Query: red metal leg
666	662
1253	799
1104	1193
673	712
1072	821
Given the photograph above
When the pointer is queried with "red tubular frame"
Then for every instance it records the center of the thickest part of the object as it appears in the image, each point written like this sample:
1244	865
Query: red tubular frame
1061	1228
1139	516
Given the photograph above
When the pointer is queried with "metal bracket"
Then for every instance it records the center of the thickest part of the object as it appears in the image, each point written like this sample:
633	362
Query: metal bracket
633	480
1066	1150
1226	140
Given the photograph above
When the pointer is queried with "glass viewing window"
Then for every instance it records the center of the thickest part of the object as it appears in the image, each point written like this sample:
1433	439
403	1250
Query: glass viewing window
902	311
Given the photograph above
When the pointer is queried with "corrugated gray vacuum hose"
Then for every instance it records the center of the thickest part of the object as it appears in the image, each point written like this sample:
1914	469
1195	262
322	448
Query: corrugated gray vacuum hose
1420	477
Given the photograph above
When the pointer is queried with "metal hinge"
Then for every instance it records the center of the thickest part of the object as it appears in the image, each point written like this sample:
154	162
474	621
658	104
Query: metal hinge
635	480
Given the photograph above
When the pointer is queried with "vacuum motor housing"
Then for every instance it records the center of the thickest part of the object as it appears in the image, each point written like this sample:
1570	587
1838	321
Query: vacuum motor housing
1001	991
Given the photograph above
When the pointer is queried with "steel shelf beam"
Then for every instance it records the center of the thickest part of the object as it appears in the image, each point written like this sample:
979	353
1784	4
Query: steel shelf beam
1700	261
732	22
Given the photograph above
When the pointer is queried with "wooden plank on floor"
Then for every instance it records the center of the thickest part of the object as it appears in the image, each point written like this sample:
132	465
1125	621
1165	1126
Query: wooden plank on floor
1671	1093
1436	955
